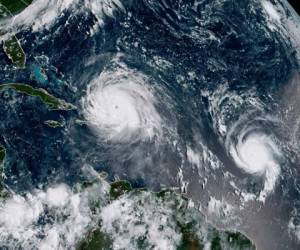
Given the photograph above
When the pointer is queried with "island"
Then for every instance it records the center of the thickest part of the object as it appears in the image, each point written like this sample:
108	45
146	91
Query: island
52	102
54	124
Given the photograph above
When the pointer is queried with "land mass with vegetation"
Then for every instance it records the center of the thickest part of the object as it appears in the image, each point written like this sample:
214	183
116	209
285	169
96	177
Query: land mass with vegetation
190	223
11	45
51	101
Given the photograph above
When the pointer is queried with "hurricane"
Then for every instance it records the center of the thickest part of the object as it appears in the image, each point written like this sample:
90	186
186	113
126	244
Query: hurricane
120	106
256	151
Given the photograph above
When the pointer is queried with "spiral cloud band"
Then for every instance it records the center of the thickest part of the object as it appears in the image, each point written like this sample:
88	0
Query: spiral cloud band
256	153
120	107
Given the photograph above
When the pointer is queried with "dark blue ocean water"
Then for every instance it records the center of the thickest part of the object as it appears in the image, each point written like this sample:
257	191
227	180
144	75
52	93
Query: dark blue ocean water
203	44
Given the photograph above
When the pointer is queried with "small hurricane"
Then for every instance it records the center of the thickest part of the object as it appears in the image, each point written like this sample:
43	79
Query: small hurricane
255	152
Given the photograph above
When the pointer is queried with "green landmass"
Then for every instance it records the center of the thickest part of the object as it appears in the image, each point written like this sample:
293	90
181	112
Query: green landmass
189	240
119	188
3	12
190	223
54	124
52	102
11	45
236	240
163	193
96	240
14	51
15	6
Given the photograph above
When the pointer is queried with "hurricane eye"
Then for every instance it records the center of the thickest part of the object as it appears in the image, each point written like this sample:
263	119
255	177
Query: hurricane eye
256	154
120	106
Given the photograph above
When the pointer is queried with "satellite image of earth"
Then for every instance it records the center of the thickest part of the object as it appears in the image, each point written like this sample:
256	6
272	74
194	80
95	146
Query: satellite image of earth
149	124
